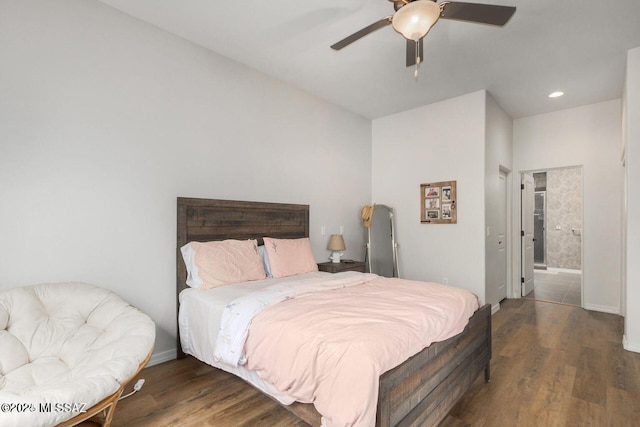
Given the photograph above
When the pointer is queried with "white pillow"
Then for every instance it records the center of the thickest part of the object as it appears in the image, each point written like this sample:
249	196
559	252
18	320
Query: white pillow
265	260
189	257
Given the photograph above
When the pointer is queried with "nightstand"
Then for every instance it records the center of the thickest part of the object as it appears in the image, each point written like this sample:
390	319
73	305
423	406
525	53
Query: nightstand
337	267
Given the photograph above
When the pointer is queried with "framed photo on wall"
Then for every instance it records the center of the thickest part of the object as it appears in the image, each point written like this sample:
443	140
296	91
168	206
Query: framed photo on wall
438	203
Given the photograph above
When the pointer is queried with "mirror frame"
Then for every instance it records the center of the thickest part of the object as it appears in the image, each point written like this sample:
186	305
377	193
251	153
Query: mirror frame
394	244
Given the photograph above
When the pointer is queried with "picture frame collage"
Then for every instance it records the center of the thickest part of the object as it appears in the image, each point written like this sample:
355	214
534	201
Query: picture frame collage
438	203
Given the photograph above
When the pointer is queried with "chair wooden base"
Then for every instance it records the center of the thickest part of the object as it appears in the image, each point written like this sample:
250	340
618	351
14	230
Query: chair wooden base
102	412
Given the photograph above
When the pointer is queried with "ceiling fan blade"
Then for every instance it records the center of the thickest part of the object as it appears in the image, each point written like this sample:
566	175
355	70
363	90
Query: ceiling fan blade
476	12
411	51
363	32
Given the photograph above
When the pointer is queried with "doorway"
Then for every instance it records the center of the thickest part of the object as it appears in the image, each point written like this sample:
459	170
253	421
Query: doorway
539	214
553	217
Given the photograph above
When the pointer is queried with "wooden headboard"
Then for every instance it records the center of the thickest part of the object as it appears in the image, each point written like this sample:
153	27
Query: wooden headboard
205	220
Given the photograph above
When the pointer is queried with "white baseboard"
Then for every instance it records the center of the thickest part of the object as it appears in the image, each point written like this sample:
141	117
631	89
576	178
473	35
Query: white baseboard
161	357
563	270
630	347
603	308
495	308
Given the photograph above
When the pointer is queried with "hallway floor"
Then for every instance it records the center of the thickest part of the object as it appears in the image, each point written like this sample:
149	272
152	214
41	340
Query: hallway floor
558	287
554	365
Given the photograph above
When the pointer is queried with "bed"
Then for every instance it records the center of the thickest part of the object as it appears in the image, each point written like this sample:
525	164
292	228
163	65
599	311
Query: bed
420	391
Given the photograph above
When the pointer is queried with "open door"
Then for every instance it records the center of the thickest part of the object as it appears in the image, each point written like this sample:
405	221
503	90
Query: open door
527	210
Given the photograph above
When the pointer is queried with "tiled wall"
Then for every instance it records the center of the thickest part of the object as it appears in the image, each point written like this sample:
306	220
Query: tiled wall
564	213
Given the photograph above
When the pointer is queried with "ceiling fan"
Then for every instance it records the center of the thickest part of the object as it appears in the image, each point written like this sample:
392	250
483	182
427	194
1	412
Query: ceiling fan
414	18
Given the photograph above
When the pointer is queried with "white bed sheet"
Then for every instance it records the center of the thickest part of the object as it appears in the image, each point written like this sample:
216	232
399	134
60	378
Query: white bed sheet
199	323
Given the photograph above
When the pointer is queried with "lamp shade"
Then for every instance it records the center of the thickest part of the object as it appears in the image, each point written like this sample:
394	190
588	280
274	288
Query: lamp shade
336	243
415	19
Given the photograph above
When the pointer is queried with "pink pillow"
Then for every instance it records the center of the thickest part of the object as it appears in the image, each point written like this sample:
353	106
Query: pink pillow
225	262
290	256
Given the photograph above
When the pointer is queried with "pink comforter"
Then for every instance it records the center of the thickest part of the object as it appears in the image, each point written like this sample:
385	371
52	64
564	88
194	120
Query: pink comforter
329	348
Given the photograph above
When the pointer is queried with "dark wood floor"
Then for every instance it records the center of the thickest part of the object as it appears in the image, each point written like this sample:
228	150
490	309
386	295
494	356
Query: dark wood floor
553	365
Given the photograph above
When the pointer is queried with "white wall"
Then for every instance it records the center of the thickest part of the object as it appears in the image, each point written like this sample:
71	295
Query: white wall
632	140
498	156
588	136
105	120
438	142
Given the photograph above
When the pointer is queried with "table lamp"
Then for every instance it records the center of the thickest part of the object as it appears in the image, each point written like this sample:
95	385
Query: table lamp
336	244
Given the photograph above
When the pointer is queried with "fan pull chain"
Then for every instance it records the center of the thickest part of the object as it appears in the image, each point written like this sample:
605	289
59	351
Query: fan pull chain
415	73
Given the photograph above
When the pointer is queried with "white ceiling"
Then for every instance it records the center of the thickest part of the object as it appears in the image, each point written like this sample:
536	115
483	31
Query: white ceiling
577	46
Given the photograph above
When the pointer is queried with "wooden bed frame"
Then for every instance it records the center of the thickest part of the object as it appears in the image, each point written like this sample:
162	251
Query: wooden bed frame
420	391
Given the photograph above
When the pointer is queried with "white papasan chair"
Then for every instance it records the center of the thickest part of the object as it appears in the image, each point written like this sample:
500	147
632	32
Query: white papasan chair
66	347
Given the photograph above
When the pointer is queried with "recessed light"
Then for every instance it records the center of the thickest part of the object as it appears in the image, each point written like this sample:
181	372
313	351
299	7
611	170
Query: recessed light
556	94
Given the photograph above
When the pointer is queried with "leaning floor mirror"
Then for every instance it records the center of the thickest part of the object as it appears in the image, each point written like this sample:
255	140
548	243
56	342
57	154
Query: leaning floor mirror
382	249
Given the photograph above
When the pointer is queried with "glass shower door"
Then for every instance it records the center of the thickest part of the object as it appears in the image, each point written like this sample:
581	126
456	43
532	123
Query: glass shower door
539	250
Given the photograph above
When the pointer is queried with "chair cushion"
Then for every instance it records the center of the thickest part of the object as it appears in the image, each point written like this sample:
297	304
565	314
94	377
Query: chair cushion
66	343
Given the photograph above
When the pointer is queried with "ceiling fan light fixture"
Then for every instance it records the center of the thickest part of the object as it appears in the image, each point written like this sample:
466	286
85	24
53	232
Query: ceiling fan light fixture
415	19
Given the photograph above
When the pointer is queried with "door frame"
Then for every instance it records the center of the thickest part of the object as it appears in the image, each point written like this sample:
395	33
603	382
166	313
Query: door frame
508	175
527	270
515	289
